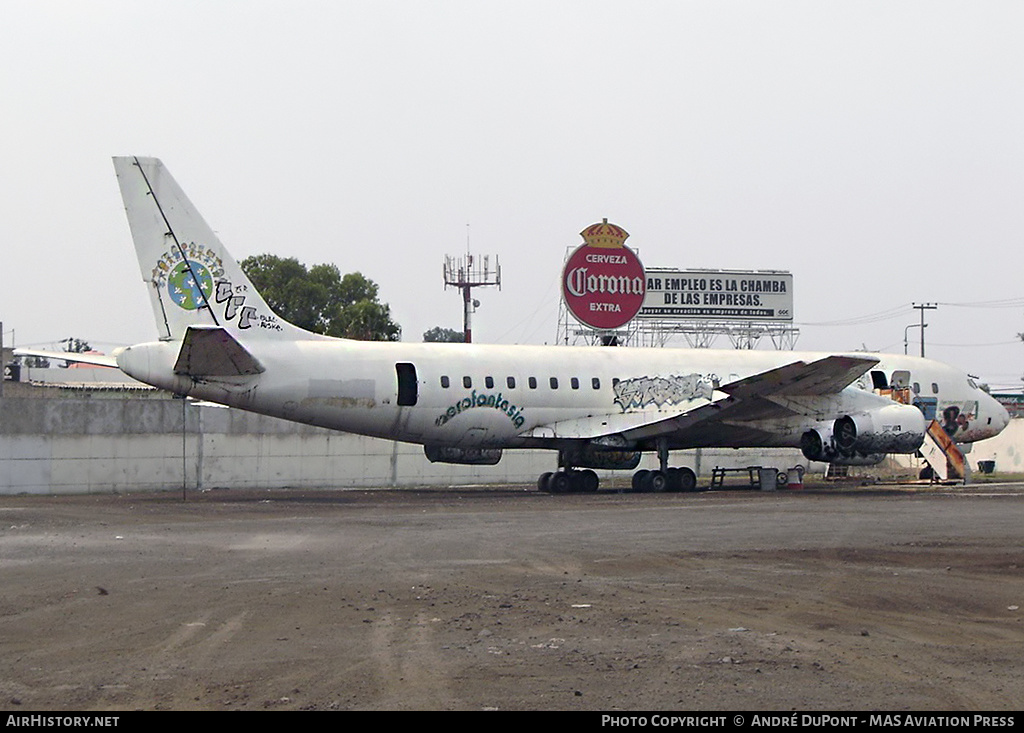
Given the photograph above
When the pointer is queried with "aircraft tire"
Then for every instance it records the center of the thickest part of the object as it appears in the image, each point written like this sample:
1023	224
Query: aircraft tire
639	480
656	481
687	479
544	482
672	474
561	483
588	481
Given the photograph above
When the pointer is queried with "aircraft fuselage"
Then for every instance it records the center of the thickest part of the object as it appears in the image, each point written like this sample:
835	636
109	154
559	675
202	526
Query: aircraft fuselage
534	396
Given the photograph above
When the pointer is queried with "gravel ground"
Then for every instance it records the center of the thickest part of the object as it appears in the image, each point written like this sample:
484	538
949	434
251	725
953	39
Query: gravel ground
898	598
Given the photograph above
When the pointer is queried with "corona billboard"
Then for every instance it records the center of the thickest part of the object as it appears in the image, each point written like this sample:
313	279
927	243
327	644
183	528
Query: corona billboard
603	281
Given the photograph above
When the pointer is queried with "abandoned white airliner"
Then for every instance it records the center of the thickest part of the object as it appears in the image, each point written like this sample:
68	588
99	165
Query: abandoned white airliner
598	407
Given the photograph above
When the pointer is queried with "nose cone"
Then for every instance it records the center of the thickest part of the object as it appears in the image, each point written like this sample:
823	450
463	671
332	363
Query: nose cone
1000	417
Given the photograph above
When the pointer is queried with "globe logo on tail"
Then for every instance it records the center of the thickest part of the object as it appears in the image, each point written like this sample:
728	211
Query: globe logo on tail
190	285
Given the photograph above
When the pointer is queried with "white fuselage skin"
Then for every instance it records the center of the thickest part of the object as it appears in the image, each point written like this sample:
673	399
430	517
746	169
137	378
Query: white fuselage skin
469	395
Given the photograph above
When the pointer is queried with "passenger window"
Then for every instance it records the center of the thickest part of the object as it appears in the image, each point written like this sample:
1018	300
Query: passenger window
445	382
489	381
935	388
467	382
533	382
574	383
511	382
917	388
554	382
595	383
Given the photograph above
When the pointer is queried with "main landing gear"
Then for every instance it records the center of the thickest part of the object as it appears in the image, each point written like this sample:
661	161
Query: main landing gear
569	480
671	479
575	482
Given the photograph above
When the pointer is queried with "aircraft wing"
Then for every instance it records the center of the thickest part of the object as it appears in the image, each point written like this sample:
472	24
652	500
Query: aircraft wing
761	396
210	351
821	377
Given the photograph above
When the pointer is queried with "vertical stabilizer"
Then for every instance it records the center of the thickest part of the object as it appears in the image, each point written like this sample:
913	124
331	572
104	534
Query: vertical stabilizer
192	279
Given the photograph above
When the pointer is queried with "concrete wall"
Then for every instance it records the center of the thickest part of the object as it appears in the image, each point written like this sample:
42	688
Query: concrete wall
61	441
81	444
1006	449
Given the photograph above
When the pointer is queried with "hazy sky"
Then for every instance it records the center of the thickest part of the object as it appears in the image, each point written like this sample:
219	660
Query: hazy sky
874	149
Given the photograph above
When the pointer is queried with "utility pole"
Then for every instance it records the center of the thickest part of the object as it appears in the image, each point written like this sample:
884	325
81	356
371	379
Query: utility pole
924	307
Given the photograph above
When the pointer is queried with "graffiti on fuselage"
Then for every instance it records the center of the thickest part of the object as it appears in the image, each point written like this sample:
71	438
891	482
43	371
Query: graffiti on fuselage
638	393
956	417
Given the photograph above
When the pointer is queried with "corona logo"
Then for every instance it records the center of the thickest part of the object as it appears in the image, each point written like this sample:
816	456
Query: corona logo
603	282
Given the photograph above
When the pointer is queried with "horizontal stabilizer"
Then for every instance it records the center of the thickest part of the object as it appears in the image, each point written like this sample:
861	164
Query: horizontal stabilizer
103	360
210	351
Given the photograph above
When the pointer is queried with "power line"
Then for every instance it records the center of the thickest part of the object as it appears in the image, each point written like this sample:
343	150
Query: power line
1007	303
861	320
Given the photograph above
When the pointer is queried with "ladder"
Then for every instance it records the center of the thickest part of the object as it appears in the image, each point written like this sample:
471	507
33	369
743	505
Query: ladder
944	457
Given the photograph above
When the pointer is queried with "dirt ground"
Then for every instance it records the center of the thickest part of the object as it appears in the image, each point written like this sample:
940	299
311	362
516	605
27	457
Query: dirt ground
503	598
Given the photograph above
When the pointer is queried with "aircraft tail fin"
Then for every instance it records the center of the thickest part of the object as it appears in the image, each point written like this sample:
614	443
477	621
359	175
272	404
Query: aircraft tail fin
193	280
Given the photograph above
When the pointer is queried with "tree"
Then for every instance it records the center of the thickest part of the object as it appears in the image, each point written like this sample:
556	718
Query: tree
319	299
444	335
75	346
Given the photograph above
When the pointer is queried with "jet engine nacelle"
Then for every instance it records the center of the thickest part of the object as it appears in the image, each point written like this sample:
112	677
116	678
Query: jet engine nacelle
817	444
589	456
463	456
864	438
891	429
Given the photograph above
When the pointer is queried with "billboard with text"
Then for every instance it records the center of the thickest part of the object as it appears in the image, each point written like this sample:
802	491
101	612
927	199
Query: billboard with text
718	295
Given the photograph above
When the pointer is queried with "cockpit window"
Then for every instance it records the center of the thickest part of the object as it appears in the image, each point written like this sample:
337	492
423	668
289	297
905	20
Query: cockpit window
971	383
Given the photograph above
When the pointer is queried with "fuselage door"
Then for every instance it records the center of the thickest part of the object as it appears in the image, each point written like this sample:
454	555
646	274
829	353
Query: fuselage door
878	380
900	379
927	405
408	387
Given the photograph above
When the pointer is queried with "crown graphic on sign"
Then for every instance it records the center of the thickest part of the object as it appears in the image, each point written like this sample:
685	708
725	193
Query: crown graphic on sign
605	235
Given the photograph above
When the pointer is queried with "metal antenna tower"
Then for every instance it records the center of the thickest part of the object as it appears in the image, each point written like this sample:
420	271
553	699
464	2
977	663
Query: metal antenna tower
468	272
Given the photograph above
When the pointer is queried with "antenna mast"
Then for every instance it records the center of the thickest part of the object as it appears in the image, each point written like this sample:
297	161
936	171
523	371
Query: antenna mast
466	273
